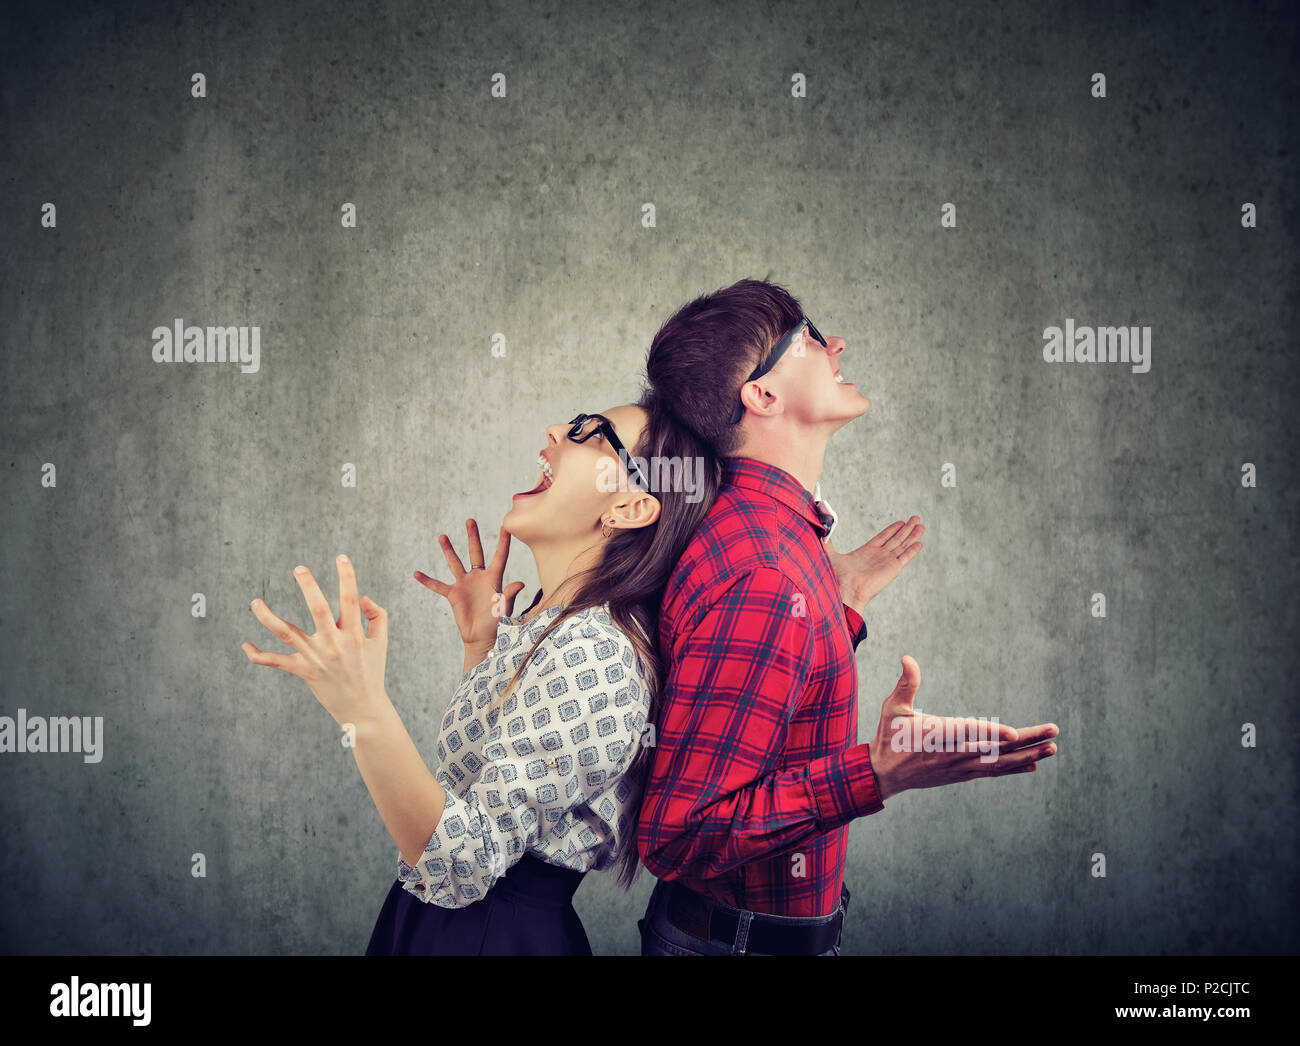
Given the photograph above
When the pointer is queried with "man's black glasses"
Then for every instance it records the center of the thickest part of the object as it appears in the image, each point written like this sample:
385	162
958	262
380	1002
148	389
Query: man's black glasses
778	350
607	430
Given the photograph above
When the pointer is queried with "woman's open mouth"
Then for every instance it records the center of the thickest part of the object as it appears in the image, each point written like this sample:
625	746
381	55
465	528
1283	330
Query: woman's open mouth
547	477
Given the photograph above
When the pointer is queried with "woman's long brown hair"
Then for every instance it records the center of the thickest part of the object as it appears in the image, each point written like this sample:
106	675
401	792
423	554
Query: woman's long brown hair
631	575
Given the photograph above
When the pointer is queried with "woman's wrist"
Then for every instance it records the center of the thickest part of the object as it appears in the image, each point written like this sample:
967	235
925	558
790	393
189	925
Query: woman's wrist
474	654
373	717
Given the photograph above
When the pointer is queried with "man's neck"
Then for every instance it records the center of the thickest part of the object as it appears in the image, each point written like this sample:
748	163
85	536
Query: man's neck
802	460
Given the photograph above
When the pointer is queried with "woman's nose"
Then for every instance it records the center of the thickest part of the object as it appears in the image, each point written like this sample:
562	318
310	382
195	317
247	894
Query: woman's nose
555	432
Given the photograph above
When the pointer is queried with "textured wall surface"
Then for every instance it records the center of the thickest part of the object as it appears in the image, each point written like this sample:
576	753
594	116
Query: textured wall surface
523	216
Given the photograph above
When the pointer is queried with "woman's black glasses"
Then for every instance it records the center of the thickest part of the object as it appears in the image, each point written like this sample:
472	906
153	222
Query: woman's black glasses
607	430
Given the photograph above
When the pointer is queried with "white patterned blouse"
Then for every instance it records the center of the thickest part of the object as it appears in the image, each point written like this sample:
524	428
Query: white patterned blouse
545	772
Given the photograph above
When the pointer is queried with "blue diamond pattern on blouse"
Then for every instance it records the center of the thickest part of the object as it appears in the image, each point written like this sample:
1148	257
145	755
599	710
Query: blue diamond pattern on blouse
545	770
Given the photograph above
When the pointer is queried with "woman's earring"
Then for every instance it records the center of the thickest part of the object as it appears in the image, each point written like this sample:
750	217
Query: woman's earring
602	528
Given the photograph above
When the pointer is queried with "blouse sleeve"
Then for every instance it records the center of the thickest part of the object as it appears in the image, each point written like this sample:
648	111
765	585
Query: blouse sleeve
566	734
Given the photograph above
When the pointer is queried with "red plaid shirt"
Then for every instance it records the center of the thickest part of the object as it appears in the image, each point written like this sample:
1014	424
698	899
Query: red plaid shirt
757	771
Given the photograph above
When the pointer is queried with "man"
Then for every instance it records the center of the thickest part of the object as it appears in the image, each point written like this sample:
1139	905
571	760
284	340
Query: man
757	772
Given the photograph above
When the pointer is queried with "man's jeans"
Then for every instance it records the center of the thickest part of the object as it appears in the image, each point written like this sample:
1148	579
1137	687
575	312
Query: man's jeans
660	937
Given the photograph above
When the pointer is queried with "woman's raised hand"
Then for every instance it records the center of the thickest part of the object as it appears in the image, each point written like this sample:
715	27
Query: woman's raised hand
475	595
341	662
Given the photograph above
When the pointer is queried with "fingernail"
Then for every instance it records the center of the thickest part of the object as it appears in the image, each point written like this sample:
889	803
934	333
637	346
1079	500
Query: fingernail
343	559
253	604
300	570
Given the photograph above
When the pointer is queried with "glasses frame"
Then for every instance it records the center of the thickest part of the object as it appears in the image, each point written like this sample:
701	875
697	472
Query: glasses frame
774	357
606	428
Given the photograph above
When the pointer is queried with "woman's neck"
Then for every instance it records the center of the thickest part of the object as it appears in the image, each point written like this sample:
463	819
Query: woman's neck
540	608
557	575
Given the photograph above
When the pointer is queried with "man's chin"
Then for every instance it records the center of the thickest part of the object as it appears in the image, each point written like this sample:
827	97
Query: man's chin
853	410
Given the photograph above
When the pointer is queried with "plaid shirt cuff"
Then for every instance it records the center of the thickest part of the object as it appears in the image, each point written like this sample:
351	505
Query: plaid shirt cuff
844	787
857	627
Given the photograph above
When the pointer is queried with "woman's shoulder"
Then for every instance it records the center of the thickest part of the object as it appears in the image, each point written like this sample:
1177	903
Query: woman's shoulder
593	624
590	639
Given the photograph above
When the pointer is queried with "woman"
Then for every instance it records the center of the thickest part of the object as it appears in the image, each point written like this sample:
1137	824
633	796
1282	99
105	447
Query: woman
541	748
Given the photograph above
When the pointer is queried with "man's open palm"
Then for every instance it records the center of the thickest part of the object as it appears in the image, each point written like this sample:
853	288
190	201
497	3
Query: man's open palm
865	571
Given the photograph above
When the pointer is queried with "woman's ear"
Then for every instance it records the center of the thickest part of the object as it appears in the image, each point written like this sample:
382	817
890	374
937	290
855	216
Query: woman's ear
635	509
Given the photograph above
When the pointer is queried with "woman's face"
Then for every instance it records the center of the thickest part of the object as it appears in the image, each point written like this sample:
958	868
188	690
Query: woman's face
582	488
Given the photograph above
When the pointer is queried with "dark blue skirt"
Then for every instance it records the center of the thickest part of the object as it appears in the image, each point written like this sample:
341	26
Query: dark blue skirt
528	911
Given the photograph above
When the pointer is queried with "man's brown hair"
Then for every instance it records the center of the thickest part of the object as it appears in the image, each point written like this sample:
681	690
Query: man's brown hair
703	353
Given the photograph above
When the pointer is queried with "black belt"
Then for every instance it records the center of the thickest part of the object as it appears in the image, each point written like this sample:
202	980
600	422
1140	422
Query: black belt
704	919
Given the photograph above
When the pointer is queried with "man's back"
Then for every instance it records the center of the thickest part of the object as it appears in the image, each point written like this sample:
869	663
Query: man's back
757	772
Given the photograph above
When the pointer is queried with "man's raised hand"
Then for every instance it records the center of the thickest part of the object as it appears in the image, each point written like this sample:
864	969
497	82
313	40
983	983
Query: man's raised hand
865	571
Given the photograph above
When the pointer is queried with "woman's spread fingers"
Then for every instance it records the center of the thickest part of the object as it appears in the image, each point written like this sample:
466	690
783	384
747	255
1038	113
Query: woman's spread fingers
432	582
284	662
378	618
285	632
508	596
502	552
453	560
475	545
316	601
349	599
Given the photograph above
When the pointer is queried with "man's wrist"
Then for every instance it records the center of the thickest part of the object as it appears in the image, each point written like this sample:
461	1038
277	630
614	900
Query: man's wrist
882	786
857	601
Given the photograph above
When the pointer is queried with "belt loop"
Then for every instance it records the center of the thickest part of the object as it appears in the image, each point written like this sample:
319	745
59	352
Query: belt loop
742	932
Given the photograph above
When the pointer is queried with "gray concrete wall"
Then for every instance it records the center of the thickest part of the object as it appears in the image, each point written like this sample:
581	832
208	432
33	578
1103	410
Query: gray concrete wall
523	215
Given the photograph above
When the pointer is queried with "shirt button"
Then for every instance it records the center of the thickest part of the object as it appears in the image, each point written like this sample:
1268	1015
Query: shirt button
419	887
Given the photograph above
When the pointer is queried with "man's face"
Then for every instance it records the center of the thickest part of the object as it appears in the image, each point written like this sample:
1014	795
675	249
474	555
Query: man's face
806	380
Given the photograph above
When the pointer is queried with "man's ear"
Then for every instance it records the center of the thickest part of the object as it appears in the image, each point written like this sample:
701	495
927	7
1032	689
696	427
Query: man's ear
761	398
635	509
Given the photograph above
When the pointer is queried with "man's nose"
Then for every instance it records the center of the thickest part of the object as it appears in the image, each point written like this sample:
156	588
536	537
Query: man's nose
834	346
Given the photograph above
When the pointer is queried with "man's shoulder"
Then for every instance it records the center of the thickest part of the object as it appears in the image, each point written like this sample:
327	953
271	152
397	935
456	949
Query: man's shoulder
736	534
738	543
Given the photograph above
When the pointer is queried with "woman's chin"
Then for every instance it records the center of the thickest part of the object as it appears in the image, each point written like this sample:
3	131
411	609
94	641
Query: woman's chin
517	528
